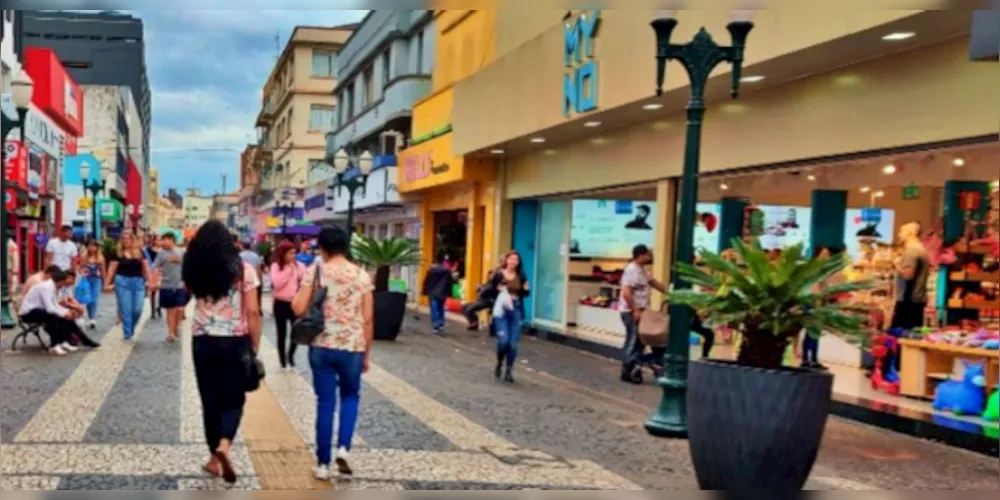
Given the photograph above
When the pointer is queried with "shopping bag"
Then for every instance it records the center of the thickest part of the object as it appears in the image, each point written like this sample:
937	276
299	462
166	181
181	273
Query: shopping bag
82	292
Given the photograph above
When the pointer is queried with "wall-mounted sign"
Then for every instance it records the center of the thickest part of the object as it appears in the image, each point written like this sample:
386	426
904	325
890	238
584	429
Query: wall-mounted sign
16	164
580	78
911	192
422	166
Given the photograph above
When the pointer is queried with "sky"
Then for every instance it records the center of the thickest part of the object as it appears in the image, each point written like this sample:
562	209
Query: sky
206	71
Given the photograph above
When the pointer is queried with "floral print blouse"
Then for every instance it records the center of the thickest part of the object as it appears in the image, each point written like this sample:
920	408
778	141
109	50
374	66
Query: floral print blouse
346	286
226	317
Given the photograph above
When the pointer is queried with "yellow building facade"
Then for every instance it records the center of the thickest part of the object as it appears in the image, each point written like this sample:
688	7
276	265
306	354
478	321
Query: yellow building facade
455	192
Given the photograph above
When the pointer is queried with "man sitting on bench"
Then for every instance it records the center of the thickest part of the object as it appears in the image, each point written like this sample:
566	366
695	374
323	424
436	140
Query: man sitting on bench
41	305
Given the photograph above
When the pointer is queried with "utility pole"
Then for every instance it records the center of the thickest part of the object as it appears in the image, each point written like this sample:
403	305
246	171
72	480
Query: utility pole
224	176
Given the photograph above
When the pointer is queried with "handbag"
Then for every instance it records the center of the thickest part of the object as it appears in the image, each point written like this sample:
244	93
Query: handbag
82	292
312	323
654	326
253	368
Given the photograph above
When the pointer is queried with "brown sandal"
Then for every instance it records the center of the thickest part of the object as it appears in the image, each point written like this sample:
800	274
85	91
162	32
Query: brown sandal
228	473
212	471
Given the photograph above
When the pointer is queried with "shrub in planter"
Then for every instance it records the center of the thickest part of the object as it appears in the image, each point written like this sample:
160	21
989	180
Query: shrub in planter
754	424
379	256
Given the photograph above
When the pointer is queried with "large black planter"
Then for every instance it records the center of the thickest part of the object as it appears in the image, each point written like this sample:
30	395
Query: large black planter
755	429
390	308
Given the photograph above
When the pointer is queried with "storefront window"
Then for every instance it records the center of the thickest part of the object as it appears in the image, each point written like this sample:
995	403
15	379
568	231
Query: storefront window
553	240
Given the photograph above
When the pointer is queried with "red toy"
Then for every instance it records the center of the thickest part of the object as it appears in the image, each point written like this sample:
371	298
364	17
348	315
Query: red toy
882	346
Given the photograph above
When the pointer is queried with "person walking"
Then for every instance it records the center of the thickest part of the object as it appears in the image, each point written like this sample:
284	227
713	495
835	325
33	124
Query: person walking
128	275
226	331
437	287
150	250
510	277
95	269
61	251
341	353
286	275
173	296
637	286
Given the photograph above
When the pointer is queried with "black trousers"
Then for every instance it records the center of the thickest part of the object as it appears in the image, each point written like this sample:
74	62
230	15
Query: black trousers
283	317
707	336
60	330
260	296
218	366
472	309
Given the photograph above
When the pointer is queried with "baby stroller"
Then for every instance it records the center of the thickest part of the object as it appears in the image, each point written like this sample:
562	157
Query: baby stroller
885	378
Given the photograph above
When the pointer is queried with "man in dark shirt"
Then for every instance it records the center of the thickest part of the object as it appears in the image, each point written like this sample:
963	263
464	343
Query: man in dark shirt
437	287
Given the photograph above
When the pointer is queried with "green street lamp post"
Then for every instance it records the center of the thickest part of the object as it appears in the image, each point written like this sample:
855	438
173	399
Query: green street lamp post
341	162
95	187
21	90
699	57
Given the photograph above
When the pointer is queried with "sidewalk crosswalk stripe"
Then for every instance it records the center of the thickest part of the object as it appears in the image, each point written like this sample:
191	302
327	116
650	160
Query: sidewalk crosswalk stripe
67	415
113	459
461	431
29	483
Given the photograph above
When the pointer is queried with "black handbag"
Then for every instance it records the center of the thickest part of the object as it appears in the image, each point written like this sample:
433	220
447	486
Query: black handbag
313	322
253	371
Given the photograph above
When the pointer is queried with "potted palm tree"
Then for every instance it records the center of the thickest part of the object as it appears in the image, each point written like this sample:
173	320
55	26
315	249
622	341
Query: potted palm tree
754	424
379	256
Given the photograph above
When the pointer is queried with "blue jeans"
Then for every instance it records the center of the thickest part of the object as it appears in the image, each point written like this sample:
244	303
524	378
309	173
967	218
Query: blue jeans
810	349
508	329
437	313
96	285
131	294
335	369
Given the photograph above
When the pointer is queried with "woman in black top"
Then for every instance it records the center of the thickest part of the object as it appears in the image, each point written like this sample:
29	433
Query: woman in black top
508	324
128	276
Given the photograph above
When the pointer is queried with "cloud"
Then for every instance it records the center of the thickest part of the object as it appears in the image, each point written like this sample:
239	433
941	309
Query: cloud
206	69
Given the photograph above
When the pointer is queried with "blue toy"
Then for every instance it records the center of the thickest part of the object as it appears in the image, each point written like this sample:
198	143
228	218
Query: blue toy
991	344
963	398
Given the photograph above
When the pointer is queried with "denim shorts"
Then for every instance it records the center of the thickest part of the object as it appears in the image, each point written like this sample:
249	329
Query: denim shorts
173	297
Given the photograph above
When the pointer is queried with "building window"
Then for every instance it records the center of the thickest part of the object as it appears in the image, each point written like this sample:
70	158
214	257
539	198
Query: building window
369	83
386	67
383	232
399	230
288	124
324	63
320	118
349	95
420	52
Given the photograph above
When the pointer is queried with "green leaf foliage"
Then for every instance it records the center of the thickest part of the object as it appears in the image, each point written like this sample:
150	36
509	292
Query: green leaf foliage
770	302
388	252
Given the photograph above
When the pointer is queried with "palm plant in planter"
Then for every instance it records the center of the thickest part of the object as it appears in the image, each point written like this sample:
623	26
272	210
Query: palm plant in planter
754	424
381	256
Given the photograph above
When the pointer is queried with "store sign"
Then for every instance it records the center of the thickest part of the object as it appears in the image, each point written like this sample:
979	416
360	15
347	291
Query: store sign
419	167
10	200
911	192
16	164
580	78
871	215
43	133
969	200
111	210
55	94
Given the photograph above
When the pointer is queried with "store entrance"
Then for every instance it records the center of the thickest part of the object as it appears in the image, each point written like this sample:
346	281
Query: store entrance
450	237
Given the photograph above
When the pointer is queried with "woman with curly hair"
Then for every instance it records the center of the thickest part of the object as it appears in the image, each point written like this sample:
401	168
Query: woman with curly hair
226	333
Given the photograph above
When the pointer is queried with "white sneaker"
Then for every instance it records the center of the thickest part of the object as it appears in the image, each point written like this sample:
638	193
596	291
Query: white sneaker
322	472
342	466
57	351
66	346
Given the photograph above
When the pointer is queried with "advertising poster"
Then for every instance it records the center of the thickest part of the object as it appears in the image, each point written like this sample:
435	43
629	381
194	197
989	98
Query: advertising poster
784	226
611	228
35	170
867	225
707	234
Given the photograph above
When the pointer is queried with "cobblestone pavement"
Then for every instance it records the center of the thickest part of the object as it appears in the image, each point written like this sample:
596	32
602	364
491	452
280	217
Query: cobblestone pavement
127	416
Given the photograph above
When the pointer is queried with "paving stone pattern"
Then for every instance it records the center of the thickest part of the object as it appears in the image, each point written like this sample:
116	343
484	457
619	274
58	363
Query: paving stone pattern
127	416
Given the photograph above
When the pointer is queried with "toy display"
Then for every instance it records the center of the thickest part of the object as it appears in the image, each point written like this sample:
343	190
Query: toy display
963	397
993	408
981	338
884	377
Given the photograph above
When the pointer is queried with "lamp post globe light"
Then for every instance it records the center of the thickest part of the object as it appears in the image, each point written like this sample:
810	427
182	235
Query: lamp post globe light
21	91
95	187
341	163
699	57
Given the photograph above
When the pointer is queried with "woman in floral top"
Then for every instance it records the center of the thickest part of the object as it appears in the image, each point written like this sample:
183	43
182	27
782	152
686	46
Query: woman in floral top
226	330
340	354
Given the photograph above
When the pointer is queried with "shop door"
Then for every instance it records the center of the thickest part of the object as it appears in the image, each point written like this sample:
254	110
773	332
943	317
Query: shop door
525	241
549	289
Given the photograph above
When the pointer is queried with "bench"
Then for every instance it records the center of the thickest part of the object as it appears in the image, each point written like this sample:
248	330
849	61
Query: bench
27	329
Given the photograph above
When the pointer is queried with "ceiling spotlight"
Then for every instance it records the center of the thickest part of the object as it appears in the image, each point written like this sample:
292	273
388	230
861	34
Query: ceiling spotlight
899	36
497	151
592	124
879	194
865	189
652	106
889	169
811	177
958	162
751	79
538	140
724	186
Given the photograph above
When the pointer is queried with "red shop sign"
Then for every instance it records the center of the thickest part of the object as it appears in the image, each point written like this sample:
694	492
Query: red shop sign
56	94
10	200
16	166
969	200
